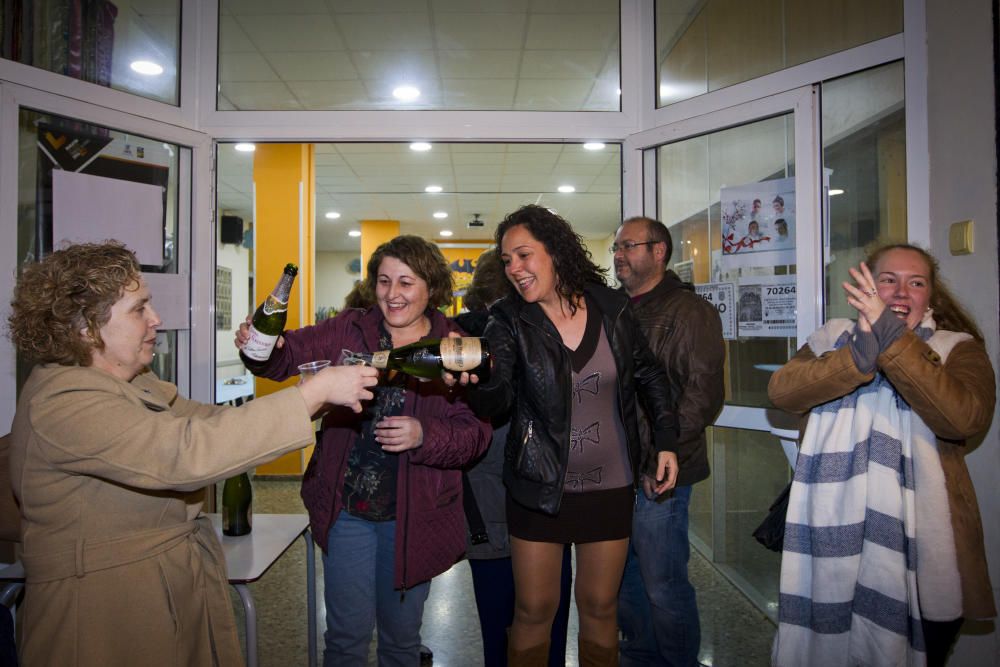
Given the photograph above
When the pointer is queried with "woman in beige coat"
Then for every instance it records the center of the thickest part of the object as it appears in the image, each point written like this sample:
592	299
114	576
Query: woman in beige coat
109	465
883	555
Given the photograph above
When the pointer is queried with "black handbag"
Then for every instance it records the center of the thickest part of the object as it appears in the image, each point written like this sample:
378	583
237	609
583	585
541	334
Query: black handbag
771	531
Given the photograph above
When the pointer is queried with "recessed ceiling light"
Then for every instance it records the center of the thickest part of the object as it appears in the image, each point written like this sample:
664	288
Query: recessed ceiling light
594	146
433	188
146	67
406	93
440	215
445	232
332	215
836	191
245	148
354	232
420	146
567	189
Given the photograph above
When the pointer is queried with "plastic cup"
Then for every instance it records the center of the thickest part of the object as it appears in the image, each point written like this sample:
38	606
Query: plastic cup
348	358
311	368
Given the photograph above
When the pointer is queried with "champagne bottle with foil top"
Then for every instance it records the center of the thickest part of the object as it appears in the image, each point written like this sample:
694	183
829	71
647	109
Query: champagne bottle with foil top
269	320
427	358
237	505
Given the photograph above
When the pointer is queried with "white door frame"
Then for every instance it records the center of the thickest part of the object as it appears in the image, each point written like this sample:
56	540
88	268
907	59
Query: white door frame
639	163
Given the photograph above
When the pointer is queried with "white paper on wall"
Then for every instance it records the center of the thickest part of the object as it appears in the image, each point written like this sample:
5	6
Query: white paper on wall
766	307
171	300
723	297
89	208
757	224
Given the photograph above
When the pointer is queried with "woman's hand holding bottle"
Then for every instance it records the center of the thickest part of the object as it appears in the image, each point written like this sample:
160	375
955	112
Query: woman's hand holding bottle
464	378
339	385
243	336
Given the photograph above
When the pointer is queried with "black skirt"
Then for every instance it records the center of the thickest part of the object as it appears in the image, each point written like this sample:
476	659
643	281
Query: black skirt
594	516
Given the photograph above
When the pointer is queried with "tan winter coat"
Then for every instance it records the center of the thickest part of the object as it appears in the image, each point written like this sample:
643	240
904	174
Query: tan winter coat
110	477
954	399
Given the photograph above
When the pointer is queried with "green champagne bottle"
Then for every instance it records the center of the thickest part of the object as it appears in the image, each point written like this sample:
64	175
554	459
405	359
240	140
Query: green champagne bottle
426	358
269	320
237	510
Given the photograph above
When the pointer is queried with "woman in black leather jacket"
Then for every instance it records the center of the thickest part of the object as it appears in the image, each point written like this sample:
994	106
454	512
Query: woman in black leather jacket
568	363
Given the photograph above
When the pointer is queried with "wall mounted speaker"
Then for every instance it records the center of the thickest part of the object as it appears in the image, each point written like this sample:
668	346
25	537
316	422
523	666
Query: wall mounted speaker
231	229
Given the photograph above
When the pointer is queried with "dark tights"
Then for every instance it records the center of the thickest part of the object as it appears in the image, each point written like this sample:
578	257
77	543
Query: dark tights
939	637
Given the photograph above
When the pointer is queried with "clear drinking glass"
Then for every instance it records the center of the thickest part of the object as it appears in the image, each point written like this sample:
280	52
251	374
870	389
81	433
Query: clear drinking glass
311	368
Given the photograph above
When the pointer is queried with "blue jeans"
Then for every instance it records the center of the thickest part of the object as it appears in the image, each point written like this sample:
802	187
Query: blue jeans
358	590
657	608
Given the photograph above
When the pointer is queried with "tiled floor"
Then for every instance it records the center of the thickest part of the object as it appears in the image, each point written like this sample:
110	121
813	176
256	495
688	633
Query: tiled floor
733	631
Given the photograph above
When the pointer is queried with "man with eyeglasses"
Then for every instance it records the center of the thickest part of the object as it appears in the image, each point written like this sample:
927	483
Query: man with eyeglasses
657	608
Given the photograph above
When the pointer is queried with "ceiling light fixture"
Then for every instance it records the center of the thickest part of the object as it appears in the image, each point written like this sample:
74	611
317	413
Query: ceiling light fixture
593	146
836	191
245	148
332	215
420	146
566	189
433	189
445	232
354	232
146	67
440	215
406	93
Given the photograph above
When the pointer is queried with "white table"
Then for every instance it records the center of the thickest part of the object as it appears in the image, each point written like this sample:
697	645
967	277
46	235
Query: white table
234	388
248	558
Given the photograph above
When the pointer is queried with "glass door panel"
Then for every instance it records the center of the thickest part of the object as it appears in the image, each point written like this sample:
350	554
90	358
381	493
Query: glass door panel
69	174
864	160
749	471
729	200
739	190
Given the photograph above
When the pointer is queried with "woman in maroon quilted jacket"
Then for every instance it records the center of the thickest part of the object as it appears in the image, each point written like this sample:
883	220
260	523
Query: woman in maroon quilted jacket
384	488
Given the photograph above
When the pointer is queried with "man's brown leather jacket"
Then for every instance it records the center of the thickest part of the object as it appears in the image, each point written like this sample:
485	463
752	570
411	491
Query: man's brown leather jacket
685	333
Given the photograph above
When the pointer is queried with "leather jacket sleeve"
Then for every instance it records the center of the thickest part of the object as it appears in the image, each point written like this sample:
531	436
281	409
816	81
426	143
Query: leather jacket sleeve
955	398
495	396
698	362
653	389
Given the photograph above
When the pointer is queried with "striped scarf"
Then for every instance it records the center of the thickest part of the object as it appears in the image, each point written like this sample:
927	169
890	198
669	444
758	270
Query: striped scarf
867	494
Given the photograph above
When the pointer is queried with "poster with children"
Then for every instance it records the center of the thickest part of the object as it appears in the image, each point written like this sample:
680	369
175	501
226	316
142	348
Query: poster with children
758	224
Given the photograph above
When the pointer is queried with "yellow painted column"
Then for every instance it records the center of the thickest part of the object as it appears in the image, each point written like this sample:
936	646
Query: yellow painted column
373	234
284	231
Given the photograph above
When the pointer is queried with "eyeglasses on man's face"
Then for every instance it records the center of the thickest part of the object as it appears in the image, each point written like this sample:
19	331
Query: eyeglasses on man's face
628	245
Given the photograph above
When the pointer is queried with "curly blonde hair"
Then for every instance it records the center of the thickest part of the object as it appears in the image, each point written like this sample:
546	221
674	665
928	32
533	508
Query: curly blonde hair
66	293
